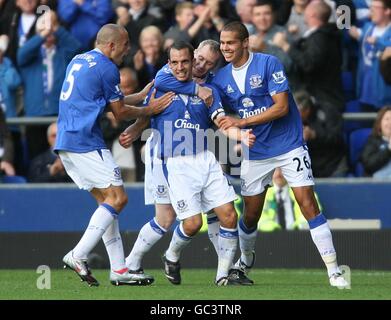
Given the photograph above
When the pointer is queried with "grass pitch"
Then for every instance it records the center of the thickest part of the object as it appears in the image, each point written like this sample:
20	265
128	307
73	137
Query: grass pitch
197	284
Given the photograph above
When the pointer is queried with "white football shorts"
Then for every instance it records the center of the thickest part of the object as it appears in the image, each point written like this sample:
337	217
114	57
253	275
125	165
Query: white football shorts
197	184
95	169
295	165
155	183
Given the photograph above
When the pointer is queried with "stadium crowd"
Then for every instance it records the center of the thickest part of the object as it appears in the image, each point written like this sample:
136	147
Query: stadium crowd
332	68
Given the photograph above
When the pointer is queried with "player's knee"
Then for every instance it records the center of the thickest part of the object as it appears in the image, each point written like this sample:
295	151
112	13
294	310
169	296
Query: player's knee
308	205
165	215
192	225
120	201
230	219
165	221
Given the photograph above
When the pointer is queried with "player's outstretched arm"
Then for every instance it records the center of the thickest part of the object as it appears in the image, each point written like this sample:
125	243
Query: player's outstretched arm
133	132
165	81
155	106
279	109
137	98
235	133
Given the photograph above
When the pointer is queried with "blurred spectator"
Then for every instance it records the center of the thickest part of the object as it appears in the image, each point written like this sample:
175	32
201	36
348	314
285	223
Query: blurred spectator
213	24
9	82
296	25
47	167
281	211
376	156
373	38
187	26
21	26
52	4
244	10
349	45
385	65
322	130
43	61
136	16
266	29
84	18
317	57
6	149
283	11
150	58
7	9
362	12
263	19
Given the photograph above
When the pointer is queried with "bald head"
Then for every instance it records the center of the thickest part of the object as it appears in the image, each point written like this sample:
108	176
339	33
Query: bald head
318	10
110	33
113	41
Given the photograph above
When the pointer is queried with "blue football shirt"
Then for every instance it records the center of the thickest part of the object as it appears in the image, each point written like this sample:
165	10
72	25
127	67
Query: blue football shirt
182	126
91	83
265	77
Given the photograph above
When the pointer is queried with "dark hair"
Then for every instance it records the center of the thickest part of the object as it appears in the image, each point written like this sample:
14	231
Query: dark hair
269	3
386	3
180	45
377	126
237	27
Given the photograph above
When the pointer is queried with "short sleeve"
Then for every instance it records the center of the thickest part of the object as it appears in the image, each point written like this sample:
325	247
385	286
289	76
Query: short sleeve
276	78
111	85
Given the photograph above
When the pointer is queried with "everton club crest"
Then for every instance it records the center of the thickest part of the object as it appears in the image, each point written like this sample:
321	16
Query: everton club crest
255	81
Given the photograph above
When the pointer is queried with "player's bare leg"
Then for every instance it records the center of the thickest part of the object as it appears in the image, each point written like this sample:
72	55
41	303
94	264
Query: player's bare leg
320	233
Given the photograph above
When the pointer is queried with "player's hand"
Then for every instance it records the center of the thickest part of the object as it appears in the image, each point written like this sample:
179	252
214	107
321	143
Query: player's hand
157	105
227	122
206	94
125	140
248	137
129	136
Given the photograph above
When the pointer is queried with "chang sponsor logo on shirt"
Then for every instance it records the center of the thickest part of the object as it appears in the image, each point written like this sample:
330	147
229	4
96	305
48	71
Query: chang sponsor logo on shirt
185	123
248	103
